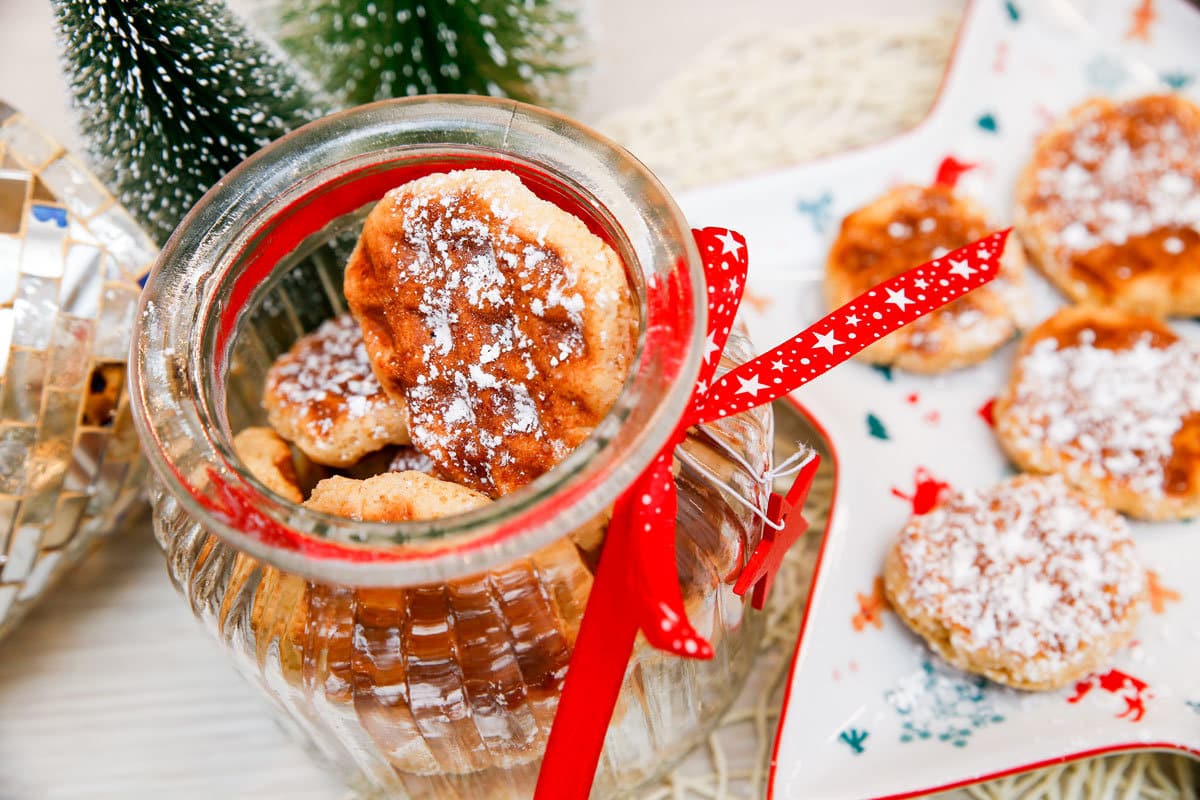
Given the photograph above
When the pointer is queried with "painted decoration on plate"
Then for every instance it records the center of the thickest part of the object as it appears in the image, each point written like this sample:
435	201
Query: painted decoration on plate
939	703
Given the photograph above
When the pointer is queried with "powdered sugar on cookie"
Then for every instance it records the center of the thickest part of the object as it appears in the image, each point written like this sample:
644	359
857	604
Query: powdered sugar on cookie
1114	178
1113	414
450	394
323	395
503	323
329	368
1026	576
910	224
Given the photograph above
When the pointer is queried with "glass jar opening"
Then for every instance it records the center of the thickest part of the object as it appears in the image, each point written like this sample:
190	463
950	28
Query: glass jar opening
256	239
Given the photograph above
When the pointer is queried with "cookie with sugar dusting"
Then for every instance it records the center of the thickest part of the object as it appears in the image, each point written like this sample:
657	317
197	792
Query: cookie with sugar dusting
393	497
323	395
407	459
269	459
1109	204
908	226
504	325
1111	401
1028	583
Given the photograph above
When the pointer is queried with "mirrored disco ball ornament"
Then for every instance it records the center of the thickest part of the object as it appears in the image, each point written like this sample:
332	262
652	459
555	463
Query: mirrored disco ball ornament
71	263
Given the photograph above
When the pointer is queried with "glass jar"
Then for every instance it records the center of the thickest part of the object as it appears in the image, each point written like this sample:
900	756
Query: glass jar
425	659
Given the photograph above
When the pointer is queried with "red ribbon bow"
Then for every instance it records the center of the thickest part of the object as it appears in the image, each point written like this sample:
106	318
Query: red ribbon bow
637	584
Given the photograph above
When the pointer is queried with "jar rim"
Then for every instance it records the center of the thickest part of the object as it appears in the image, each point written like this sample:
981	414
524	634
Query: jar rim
193	293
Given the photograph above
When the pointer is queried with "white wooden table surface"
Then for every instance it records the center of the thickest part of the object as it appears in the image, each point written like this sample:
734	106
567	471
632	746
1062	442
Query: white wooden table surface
110	689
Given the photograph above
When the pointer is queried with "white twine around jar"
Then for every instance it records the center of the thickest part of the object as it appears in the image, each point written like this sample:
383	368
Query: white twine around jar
764	481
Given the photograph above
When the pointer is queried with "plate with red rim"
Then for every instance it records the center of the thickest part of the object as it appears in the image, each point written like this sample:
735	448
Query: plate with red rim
870	712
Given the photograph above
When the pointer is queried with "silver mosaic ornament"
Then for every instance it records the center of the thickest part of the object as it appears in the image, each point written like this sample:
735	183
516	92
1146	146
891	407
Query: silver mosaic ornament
72	262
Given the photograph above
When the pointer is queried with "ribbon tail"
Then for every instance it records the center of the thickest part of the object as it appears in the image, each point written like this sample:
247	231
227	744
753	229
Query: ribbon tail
655	574
846	331
597	669
726	262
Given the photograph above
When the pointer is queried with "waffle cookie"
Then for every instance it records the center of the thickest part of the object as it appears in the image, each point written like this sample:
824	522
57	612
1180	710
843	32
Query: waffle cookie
323	396
1028	583
269	459
393	497
1109	204
910	225
502	323
1111	401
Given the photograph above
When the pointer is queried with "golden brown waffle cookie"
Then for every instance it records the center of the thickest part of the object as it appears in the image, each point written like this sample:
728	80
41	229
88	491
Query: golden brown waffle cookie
1111	401
269	459
910	225
1109	204
504	324
393	497
1029	583
323	396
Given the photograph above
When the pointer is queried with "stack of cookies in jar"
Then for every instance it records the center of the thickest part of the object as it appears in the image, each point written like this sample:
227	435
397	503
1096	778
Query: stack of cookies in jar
1035	582
486	334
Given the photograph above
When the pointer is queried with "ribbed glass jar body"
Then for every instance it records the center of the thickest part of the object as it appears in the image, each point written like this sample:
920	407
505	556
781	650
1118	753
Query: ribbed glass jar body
448	690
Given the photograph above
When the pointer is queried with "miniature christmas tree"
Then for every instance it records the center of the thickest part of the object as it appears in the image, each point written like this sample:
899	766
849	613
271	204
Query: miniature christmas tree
365	50
171	95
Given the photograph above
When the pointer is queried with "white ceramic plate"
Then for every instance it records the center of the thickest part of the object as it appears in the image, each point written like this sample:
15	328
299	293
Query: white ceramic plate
870	712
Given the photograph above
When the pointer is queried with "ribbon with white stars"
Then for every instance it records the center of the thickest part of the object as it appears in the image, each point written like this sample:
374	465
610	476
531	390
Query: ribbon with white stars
636	587
654	576
654	579
637	583
843	333
723	254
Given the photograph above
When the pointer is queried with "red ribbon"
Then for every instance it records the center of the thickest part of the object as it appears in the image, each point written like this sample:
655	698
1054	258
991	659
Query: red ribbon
637	584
